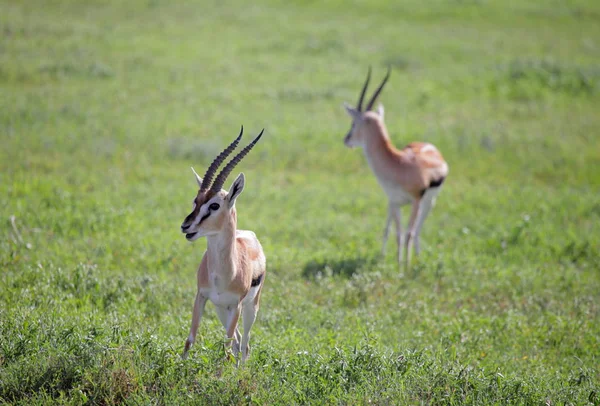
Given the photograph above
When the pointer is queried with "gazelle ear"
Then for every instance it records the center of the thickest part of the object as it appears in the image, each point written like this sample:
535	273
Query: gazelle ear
198	178
235	189
352	112
380	110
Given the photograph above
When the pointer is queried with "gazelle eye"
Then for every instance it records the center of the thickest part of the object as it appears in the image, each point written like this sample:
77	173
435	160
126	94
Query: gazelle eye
214	206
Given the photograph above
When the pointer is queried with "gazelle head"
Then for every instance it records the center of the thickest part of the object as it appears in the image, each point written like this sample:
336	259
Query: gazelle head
363	119
212	205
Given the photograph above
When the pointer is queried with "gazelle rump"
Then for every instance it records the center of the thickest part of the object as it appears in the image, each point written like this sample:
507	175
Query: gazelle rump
412	175
232	271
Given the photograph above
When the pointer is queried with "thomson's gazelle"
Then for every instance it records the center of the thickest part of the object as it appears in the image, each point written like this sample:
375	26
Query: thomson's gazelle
413	174
232	271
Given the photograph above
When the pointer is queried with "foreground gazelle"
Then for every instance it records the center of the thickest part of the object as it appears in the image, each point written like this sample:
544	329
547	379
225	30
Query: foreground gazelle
232	271
413	174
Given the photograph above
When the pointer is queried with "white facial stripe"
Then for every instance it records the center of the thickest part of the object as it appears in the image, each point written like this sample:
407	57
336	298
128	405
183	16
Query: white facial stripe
204	210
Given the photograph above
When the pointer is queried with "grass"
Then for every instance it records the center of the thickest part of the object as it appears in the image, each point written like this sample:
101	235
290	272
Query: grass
104	106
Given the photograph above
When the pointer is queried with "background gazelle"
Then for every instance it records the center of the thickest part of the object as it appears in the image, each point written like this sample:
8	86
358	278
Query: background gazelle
232	271
413	174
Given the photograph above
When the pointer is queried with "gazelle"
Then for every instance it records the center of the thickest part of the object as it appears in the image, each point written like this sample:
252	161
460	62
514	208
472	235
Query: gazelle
413	174
232	271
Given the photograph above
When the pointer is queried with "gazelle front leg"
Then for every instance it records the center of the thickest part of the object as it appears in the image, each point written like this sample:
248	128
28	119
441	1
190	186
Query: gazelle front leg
386	230
397	216
412	225
199	305
223	314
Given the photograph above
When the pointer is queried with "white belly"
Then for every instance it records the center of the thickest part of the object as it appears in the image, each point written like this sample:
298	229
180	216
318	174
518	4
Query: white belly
395	194
228	299
221	299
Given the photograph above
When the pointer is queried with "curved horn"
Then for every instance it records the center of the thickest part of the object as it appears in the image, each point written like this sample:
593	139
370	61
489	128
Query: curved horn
210	172
364	89
387	76
222	177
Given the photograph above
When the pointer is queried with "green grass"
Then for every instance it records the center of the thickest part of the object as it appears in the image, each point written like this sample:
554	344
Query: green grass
104	106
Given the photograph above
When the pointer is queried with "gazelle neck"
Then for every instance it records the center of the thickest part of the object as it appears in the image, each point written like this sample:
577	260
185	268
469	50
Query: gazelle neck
222	250
377	144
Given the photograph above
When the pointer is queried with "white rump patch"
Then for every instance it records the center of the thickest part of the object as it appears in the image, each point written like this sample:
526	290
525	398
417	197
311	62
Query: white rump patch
428	147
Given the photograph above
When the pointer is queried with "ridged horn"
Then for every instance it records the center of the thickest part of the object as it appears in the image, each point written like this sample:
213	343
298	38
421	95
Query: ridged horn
387	76
222	177
364	89
210	172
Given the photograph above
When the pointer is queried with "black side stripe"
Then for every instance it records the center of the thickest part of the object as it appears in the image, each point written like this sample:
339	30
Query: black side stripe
256	281
435	183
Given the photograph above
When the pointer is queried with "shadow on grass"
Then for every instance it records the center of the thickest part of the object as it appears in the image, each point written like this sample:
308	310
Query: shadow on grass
345	267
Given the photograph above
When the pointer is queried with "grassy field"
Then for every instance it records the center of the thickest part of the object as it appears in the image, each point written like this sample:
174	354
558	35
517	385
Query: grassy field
104	106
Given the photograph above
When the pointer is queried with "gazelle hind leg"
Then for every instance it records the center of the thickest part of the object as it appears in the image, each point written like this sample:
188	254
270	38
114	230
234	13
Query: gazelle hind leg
427	202
249	317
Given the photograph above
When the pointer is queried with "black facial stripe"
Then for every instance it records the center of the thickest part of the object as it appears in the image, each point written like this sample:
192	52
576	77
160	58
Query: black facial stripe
204	217
187	220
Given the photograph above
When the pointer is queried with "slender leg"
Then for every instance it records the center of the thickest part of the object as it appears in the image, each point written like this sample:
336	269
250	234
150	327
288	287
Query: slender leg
249	316
199	305
414	214
397	216
427	203
386	230
224	317
232	321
